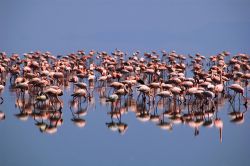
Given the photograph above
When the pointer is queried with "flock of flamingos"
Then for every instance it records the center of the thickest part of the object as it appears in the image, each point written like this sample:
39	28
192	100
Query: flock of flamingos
164	88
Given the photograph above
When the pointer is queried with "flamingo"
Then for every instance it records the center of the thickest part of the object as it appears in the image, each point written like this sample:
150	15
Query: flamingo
145	90
122	91
238	89
54	92
164	94
112	98
79	93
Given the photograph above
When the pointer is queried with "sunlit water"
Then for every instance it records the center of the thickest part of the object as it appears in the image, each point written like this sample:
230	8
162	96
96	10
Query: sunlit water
142	143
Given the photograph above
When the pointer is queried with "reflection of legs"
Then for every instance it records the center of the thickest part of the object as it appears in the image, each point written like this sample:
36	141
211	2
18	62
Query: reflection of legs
138	96
213	105
1	100
239	101
196	131
144	98
57	98
246	84
159	101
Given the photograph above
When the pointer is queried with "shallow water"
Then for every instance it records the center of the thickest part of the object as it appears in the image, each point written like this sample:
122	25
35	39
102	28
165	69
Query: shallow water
142	143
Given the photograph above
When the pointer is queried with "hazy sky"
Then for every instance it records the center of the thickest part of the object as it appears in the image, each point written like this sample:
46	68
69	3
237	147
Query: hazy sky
63	26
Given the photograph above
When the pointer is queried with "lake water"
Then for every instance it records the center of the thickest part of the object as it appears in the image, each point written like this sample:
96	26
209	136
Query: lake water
63	26
142	143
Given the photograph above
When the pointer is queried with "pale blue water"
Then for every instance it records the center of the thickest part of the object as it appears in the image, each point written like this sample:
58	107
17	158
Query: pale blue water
63	26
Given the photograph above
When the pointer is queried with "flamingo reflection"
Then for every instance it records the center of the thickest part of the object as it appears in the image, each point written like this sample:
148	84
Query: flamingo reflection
78	114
